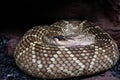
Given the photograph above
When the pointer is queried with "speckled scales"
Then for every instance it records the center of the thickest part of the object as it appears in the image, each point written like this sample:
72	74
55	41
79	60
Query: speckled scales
39	59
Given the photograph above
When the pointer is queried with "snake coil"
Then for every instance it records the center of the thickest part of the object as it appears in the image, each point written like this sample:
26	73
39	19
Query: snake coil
39	55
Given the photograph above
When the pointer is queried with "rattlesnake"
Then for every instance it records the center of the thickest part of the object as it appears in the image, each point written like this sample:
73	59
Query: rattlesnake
64	49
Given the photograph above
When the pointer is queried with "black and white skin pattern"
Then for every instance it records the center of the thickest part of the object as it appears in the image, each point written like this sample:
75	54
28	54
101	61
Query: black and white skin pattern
64	49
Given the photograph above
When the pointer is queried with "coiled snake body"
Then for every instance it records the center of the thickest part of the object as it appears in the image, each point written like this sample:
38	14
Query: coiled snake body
66	49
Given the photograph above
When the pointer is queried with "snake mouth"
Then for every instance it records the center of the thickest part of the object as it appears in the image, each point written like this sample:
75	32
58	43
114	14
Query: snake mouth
73	40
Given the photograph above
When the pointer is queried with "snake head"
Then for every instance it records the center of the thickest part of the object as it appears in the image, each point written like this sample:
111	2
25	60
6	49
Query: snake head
70	41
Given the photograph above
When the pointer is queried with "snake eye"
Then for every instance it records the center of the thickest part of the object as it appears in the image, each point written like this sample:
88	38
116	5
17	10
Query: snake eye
60	37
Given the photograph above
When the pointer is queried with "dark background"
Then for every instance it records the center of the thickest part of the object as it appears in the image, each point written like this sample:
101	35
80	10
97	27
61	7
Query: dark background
26	14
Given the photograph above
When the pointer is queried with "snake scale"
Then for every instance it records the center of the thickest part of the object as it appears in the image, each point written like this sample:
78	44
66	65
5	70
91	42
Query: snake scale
64	49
